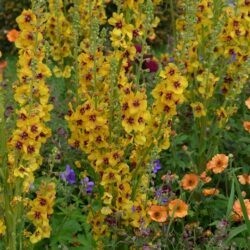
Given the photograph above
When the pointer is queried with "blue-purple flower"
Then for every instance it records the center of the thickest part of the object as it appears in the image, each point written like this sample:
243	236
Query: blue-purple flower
156	166
68	175
88	185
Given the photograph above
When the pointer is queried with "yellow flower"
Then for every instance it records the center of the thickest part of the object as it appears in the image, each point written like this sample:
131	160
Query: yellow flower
27	20
28	39
198	109
119	23
170	70
36	236
110	176
2	227
107	198
177	84
106	210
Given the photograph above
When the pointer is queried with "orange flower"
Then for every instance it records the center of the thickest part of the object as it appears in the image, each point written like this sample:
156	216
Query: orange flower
246	126
12	35
190	181
244	179
247	102
158	213
218	163
177	208
210	191
204	177
237	211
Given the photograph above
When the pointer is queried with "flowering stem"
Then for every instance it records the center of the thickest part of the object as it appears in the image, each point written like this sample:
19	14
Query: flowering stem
146	152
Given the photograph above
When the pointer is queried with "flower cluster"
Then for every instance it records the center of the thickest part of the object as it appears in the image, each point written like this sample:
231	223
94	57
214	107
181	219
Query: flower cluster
226	39
40	210
175	209
59	33
114	123
32	96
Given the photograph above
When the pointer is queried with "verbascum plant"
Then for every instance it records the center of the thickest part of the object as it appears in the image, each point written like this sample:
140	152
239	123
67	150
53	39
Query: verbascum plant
59	32
21	154
218	35
40	209
113	122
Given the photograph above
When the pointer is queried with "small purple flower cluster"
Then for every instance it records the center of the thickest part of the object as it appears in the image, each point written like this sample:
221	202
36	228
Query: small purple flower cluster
69	177
156	166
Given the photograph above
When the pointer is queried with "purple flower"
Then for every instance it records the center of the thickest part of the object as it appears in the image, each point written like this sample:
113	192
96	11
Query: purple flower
88	185
68	175
157	166
138	48
151	65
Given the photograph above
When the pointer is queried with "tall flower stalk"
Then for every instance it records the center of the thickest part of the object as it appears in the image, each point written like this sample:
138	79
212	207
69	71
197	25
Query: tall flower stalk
20	153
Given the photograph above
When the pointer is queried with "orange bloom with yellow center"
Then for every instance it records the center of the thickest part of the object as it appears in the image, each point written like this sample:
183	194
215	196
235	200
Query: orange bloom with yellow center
190	181
246	126
247	102
218	163
158	213
210	191
177	208
12	35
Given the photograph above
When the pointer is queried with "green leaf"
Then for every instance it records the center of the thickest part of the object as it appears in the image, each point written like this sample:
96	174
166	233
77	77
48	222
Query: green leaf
63	232
96	205
236	231
231	200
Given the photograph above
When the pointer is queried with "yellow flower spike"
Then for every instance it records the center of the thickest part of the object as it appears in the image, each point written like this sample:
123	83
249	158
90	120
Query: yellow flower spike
110	176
